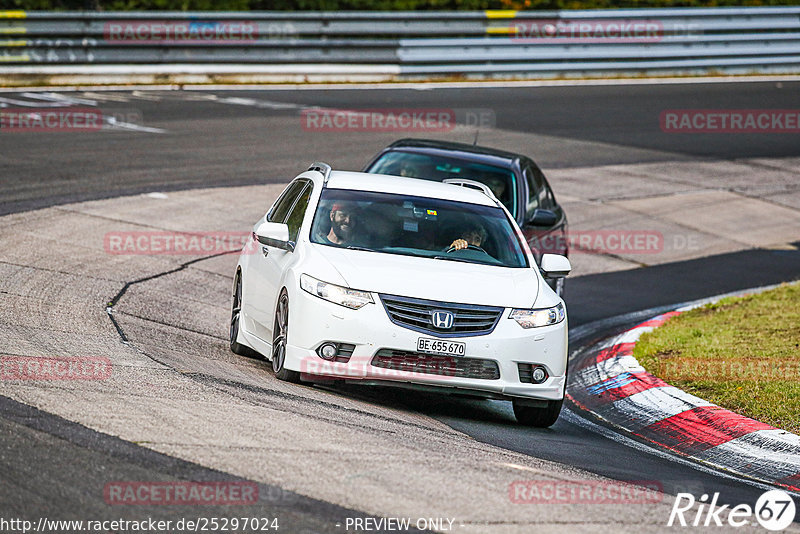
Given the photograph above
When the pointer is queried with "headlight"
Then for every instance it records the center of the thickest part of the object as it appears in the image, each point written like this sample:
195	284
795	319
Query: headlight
542	317
343	296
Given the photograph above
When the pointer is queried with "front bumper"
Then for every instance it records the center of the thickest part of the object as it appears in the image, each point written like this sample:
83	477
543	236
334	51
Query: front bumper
313	321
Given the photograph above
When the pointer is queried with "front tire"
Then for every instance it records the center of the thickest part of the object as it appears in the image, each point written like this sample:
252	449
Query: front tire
236	319
279	341
538	417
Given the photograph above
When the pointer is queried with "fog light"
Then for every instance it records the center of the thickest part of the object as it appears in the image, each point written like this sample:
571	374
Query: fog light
539	375
328	351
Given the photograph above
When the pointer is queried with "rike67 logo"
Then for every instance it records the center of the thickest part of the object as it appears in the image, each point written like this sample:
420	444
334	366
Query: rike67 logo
774	510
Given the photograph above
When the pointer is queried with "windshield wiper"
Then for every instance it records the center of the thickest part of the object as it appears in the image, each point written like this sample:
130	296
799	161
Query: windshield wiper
354	247
462	260
406	253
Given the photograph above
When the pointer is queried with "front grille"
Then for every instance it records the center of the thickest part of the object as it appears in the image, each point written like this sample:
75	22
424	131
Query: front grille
417	314
430	364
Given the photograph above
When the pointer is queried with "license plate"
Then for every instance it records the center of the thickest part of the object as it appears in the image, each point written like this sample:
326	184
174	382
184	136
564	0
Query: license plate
438	346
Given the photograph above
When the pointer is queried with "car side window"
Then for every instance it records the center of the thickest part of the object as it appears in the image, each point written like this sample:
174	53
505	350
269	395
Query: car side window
295	219
544	199
534	191
286	201
550	199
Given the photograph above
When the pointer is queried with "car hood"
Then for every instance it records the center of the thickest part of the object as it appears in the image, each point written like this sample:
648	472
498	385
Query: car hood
425	278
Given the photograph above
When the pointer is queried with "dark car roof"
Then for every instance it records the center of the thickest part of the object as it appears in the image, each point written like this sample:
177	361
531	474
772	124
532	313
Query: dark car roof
483	153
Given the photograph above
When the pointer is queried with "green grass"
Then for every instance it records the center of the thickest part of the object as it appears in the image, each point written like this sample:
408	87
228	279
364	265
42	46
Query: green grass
741	353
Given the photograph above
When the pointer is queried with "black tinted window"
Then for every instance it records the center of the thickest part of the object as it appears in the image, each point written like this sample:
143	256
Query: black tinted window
550	200
539	193
535	189
437	168
295	219
286	201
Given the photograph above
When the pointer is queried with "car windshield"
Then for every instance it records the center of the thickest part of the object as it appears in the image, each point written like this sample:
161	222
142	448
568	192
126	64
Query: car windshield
439	168
417	226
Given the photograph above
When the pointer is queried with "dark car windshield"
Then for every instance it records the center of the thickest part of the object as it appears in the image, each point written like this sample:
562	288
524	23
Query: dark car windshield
416	226
439	168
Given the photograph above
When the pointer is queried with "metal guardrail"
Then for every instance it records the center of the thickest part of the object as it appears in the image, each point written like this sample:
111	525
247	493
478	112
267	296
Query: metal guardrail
422	43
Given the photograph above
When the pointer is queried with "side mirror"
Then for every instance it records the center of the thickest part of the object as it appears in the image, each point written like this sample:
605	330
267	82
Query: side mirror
542	217
275	235
555	266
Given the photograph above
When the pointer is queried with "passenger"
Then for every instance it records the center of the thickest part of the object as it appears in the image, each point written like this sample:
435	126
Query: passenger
379	229
409	170
498	185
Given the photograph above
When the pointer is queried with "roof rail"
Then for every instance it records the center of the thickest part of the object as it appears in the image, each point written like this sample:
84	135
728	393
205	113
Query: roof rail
472	184
323	168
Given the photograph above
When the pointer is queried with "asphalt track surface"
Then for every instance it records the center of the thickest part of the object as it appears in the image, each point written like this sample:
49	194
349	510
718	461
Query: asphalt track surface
225	146
52	490
214	145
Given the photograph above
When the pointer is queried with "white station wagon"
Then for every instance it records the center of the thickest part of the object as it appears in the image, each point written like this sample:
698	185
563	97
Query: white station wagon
399	281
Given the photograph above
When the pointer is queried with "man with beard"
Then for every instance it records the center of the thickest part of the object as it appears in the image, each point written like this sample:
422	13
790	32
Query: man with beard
343	223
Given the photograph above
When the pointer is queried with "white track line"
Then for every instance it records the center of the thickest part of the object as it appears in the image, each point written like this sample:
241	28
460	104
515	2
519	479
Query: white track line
106	97
29	104
114	124
57	97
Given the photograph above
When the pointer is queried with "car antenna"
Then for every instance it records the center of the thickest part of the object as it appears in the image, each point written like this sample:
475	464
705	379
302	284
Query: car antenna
475	141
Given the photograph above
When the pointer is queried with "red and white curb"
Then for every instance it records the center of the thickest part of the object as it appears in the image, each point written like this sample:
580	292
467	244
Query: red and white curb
610	383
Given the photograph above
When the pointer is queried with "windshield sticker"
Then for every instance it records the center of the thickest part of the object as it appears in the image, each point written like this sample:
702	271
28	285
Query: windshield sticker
410	226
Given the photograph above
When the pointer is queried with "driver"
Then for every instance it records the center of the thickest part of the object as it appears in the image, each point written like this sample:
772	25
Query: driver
409	170
474	234
343	224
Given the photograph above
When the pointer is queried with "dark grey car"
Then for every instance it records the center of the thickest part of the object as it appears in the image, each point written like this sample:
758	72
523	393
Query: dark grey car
514	178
